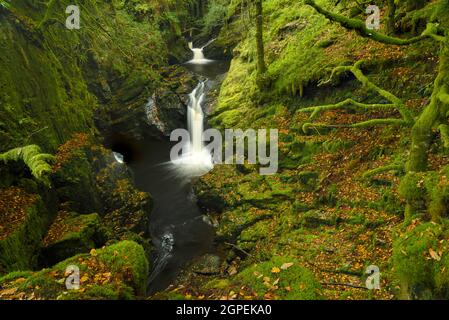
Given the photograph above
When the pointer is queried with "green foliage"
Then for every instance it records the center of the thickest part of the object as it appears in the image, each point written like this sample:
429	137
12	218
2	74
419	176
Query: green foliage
4	4
215	15
33	158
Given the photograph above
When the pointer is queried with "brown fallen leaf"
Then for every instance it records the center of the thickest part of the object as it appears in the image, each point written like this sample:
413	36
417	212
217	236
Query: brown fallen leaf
434	255
232	270
8	292
286	265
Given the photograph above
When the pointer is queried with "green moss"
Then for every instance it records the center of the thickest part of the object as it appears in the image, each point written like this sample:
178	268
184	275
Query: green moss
80	234
412	187
418	261
427	191
132	258
302	284
218	284
18	252
75	183
124	263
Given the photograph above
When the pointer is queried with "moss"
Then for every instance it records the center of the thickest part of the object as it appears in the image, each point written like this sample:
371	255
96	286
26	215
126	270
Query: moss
295	282
412	187
427	191
71	234
420	260
12	276
18	251
74	182
218	284
118	271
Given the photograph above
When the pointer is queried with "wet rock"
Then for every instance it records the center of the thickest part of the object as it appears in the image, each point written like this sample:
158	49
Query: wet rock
208	264
165	112
126	208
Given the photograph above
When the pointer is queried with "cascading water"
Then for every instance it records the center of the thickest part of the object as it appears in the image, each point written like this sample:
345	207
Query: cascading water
195	118
198	54
119	157
196	160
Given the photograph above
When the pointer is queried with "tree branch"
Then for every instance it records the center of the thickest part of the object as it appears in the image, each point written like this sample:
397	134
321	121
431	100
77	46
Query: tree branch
407	118
376	171
360	27
444	132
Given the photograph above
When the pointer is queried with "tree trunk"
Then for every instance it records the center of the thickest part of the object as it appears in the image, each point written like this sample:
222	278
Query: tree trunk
429	119
391	23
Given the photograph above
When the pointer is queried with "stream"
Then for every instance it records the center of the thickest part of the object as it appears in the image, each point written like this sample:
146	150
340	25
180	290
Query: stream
178	230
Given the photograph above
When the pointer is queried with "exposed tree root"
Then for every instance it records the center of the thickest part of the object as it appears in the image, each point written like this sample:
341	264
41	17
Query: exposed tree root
396	103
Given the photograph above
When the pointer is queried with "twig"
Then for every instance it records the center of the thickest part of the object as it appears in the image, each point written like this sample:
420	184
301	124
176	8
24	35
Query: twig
343	285
238	248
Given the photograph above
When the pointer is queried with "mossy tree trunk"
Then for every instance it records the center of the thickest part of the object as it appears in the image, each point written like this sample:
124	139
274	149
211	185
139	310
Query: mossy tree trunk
391	22
434	116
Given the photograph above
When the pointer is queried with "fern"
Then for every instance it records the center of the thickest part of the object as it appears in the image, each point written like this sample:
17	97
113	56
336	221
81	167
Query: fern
34	159
4	4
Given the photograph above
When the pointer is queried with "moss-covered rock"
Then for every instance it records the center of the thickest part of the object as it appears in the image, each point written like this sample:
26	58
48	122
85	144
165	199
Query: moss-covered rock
23	224
118	271
71	234
281	278
74	174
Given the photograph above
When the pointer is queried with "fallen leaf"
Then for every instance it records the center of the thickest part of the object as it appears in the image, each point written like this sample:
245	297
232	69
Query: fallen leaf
275	270
232	270
8	292
286	265
434	255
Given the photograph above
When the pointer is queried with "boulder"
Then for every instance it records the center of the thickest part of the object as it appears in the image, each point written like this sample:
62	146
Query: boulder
71	234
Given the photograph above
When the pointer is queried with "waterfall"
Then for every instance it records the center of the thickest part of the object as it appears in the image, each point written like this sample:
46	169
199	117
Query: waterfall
195	118
198	54
196	160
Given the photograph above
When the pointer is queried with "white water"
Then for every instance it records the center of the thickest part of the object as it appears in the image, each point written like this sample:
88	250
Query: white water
196	159
119	157
198	54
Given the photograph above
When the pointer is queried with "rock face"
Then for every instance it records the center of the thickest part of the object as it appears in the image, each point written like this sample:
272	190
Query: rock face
165	112
150	113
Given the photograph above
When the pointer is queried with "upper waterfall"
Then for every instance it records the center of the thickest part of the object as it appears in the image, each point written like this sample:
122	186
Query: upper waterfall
198	53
